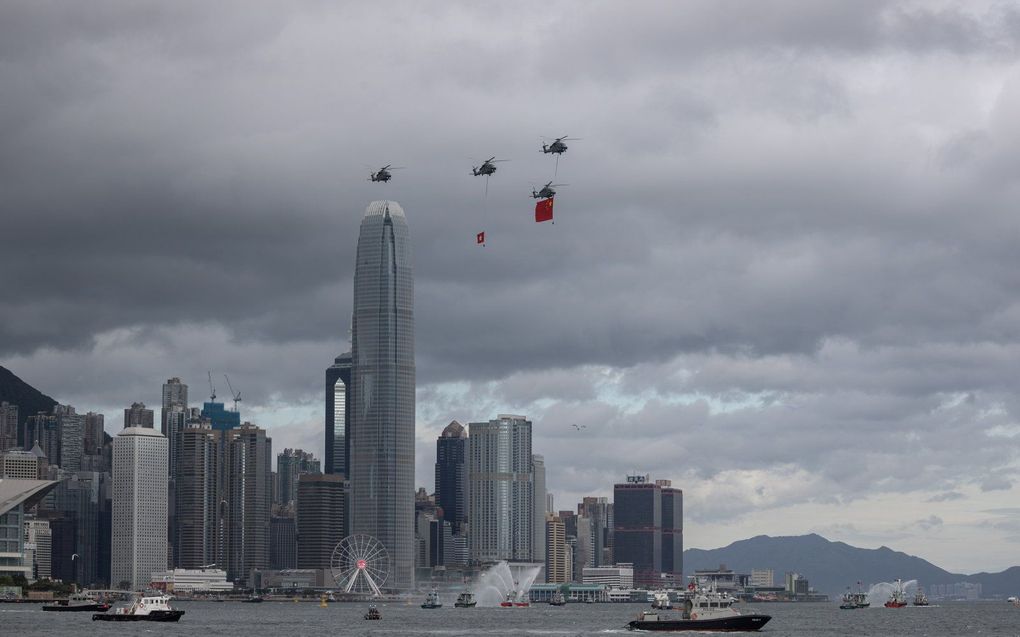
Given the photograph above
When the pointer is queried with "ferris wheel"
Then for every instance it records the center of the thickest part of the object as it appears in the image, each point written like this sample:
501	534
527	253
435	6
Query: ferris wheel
360	564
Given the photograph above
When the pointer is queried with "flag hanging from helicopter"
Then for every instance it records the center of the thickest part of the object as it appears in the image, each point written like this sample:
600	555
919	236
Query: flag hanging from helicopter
544	210
480	238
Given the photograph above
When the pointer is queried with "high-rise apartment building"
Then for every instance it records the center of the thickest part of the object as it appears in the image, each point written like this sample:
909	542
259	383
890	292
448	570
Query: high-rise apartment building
248	500
338	415
382	389
138	416
95	430
452	476
8	426
599	512
321	501
198	512
139	546
648	533
501	490
291	464
175	397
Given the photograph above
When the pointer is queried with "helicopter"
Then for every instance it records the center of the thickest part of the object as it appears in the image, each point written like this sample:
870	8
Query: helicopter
557	147
487	168
383	174
547	191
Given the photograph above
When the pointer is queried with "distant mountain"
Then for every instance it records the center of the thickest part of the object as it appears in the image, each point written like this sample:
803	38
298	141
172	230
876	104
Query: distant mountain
832	566
29	400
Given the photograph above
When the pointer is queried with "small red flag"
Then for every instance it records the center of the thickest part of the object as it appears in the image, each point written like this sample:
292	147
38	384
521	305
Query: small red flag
544	210
480	238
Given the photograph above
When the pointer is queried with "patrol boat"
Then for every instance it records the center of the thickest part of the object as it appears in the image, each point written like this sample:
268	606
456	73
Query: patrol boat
146	608
704	609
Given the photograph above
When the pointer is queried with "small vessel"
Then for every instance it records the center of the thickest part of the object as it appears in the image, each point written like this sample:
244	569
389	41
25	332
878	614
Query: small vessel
847	601
373	613
703	610
77	602
511	596
898	599
465	600
148	607
432	600
851	600
1013	600
557	599
920	599
254	598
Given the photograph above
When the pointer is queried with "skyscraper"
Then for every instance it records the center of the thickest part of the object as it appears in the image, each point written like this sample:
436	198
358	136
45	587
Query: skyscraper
538	515
139	544
338	414
138	416
249	500
382	391
8	426
291	464
648	519
175	397
197	496
501	490
451	475
555	551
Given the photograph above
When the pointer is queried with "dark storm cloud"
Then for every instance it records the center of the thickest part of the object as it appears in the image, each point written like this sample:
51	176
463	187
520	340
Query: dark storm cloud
789	234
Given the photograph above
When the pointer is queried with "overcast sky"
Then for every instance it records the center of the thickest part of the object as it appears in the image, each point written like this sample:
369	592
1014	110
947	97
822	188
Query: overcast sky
784	272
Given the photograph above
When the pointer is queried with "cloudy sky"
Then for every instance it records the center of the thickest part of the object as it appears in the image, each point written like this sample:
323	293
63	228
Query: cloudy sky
784	272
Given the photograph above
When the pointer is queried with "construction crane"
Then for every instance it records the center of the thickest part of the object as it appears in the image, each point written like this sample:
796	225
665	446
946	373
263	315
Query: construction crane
236	395
212	389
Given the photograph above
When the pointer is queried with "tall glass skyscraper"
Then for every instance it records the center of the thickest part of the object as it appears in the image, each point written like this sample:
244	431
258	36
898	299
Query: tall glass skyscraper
382	391
338	414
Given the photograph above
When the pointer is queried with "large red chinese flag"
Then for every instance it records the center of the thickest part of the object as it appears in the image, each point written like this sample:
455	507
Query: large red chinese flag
480	238
544	210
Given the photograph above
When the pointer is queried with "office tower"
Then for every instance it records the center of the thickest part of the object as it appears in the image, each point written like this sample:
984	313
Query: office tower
220	418
321	500
248	497
39	535
94	433
451	475
139	545
197	497
175	398
8	426
72	438
290	465
501	490
538	516
338	414
555	550
672	530
282	540
20	465
642	509
598	511
382	396
138	416
76	510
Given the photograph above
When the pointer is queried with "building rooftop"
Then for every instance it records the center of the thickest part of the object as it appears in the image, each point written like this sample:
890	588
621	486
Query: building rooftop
380	208
140	431
454	430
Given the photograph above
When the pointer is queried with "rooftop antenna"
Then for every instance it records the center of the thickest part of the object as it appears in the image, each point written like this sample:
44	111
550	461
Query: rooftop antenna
236	395
212	389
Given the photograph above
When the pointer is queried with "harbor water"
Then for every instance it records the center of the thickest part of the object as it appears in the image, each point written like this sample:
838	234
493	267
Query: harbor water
283	619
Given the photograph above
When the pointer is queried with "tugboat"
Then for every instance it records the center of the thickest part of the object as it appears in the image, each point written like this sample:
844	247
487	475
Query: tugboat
898	599
465	600
77	602
704	610
920	599
847	602
148	608
557	598
432	600
373	613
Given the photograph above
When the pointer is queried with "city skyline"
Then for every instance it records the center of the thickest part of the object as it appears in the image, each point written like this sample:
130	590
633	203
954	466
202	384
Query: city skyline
781	274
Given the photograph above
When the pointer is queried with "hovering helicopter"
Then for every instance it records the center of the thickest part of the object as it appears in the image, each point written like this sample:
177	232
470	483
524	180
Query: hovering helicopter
546	192
557	147
383	174
487	168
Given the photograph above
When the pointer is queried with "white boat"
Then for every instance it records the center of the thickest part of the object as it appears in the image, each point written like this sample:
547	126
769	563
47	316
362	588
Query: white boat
148	607
703	610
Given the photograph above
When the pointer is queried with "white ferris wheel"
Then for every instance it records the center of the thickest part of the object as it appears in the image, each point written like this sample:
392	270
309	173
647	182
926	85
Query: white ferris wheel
360	564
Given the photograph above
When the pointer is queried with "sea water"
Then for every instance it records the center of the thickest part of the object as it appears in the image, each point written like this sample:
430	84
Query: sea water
288	619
